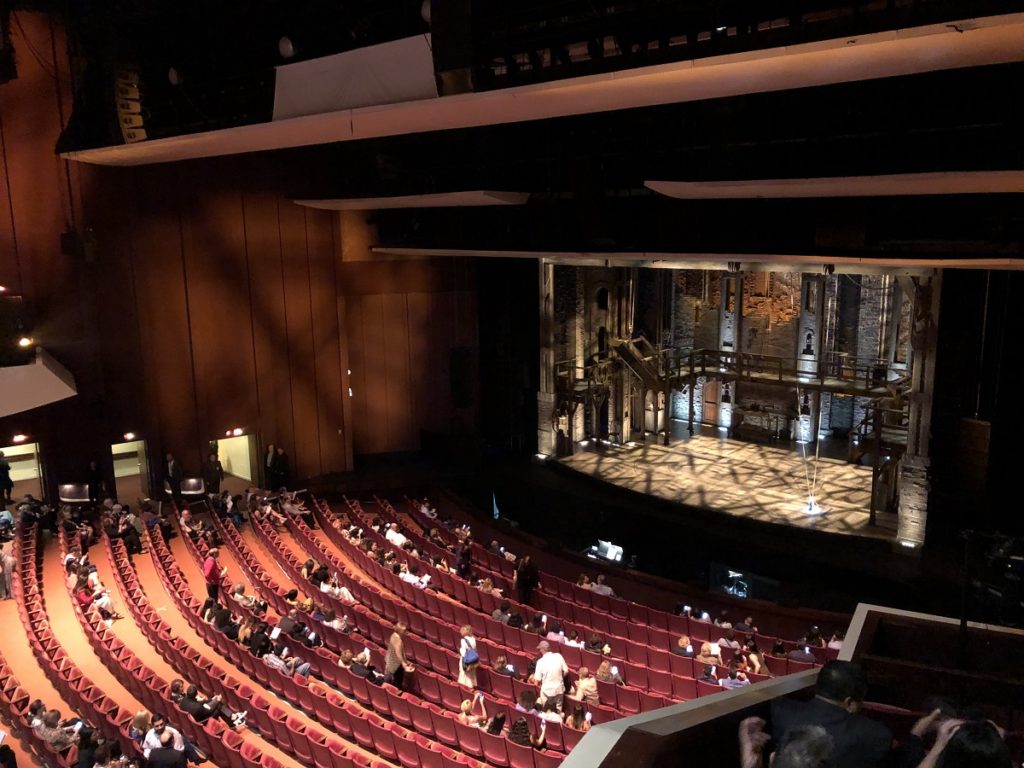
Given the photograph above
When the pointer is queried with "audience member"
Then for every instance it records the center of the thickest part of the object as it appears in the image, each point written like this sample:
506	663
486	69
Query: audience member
839	692
585	687
550	672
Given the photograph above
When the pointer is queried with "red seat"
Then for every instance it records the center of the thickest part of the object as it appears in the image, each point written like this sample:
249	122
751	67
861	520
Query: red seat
659	683
776	665
628	699
469	739
444	729
518	755
383	741
708	689
299	740
495	751
422	722
542	758
322	757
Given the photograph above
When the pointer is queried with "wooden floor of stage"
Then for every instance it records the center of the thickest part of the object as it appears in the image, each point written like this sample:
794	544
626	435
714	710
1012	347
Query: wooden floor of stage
742	479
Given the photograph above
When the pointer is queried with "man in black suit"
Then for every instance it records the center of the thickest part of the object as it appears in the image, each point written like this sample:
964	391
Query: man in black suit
213	473
839	692
166	756
173	475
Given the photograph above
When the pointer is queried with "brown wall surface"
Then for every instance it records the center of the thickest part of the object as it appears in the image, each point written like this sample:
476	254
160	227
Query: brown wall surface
204	299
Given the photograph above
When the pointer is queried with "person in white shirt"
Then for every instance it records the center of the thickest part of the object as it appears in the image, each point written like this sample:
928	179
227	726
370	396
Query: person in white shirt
836	643
395	536
600	588
152	740
411	575
550	672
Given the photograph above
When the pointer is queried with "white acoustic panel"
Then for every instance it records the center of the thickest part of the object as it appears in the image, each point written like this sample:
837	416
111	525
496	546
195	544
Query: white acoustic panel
400	70
42	382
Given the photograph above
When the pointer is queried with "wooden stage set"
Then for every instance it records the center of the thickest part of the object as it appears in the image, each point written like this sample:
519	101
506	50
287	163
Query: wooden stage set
749	480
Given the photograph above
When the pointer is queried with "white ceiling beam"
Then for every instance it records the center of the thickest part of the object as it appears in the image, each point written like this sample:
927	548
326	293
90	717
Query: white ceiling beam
899	184
464	199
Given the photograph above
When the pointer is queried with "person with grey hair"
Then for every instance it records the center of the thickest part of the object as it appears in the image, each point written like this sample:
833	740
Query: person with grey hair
809	746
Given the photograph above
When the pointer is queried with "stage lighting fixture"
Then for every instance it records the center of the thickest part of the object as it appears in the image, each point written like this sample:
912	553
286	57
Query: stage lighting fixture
237	431
129	436
908	544
3	289
286	47
425	11
24	342
174	77
19	438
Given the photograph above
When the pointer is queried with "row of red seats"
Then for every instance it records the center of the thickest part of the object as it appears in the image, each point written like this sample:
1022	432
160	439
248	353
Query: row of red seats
14	703
429	721
71	683
656	677
236	753
569	593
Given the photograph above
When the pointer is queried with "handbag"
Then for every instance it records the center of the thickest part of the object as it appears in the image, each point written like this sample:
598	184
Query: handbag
470	657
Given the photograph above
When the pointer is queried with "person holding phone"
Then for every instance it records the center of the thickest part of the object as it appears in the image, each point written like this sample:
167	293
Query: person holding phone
577	718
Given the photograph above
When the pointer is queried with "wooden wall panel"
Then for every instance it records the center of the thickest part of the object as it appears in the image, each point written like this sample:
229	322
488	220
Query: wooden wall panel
326	340
357	380
163	317
219	312
304	451
397	379
377	427
422	361
270	344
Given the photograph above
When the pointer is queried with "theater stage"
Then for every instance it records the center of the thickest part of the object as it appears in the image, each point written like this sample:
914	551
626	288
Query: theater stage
738	478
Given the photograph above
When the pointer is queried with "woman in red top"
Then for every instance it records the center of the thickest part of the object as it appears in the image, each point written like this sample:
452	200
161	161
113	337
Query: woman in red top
213	573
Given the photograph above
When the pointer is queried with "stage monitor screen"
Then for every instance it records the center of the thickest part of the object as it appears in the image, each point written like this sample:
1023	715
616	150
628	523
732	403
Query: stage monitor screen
731	581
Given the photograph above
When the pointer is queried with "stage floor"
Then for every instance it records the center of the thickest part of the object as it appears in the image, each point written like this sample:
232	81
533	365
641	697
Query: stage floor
738	478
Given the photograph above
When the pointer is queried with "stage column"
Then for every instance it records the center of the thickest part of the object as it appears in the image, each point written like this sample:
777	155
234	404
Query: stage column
730	332
914	481
811	328
546	394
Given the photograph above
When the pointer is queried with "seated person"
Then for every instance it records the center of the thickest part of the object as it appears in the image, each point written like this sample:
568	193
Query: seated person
466	715
551	711
606	673
728	640
577	718
527	702
707	674
706	656
202	708
596	644
585	687
502	613
520	734
573	639
683	647
58	734
224	621
736	679
536	625
280	658
839	693
251	602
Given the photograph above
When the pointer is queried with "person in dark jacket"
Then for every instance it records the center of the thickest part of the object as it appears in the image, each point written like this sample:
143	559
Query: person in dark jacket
527	578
